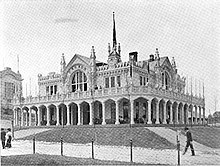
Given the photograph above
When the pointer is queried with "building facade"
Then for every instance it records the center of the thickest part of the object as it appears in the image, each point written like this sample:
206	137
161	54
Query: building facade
11	84
88	91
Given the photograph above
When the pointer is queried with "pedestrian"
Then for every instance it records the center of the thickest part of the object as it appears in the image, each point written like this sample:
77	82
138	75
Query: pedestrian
189	141
8	138
3	133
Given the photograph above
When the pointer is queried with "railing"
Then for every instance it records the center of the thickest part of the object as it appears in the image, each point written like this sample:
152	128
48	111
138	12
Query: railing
111	92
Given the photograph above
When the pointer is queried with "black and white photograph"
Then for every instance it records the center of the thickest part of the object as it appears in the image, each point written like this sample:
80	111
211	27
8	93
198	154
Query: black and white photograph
106	82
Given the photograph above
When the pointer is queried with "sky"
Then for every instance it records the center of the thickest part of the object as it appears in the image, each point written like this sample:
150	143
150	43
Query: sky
40	31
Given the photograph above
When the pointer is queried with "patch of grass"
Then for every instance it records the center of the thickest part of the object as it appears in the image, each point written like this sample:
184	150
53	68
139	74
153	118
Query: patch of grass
208	136
53	160
141	137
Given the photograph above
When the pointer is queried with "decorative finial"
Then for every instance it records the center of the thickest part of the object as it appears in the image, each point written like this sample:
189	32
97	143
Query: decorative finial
109	48
93	52
173	62
157	53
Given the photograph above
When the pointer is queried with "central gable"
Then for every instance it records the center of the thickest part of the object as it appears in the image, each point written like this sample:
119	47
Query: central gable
166	65
77	59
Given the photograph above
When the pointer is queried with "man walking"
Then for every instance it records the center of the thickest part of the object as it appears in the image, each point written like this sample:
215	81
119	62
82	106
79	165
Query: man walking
189	141
3	133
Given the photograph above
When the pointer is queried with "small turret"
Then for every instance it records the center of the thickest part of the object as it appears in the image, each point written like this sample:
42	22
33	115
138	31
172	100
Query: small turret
174	64
109	48
119	49
157	57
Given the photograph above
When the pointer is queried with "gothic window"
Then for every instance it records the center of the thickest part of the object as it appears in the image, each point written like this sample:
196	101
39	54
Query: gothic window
9	90
112	81
107	82
166	80
55	89
119	81
79	81
51	90
140	80
144	81
47	89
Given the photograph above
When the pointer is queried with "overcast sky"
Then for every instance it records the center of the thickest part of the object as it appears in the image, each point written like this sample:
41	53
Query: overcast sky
40	31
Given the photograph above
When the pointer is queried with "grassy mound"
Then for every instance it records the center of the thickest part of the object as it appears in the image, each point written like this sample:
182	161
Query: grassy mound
42	159
141	137
208	136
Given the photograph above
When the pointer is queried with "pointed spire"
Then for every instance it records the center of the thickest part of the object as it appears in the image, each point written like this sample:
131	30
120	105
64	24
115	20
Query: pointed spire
114	32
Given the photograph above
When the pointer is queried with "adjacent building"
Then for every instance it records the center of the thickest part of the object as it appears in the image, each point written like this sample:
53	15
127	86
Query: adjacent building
11	85
88	91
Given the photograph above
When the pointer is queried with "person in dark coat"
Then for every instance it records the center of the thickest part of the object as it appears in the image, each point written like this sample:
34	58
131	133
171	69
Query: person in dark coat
189	141
8	138
3	133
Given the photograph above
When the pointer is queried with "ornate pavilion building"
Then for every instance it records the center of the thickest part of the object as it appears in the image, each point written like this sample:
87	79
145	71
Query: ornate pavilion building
87	91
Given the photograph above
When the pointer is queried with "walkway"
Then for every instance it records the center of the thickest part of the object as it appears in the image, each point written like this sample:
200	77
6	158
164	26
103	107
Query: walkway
30	131
170	135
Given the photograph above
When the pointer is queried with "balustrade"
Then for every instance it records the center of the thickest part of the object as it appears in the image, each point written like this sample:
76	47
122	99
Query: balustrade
147	90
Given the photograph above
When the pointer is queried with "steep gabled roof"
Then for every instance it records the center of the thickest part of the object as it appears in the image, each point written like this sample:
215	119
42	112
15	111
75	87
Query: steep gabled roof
83	58
152	64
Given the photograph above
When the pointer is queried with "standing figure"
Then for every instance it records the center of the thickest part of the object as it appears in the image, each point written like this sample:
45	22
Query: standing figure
189	141
3	133
8	138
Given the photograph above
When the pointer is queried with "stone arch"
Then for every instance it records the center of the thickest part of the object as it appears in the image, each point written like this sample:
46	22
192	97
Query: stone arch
63	113
161	111
168	112
110	111
174	111
190	113
73	107
52	114
141	110
97	112
85	112
154	102
43	115
180	113
124	110
186	114
35	114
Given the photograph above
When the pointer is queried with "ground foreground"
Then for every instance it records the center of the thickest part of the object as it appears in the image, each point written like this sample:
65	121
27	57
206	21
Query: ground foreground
151	145
39	159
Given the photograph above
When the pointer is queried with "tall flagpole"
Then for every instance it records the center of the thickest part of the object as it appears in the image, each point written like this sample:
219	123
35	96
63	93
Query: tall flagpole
26	90
199	89
30	86
191	105
18	62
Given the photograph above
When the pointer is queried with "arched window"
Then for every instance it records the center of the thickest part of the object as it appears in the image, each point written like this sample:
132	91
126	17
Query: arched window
166	80
79	81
